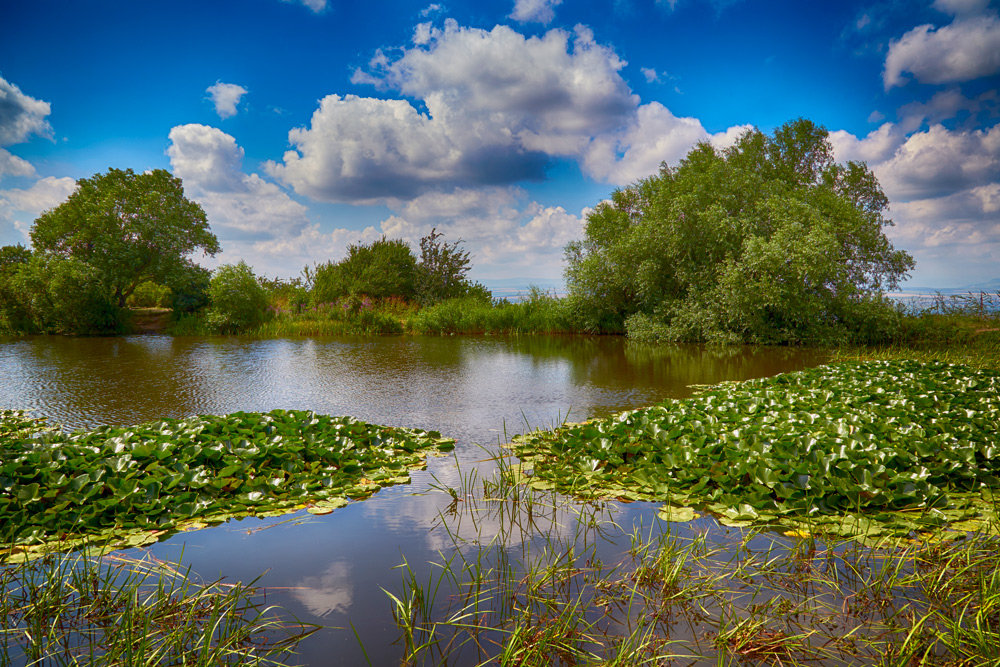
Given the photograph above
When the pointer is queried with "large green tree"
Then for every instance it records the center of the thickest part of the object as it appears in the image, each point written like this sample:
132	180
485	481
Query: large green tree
129	228
769	240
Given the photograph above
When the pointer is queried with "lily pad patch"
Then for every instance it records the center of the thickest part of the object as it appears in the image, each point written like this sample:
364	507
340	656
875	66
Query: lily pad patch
122	485
874	448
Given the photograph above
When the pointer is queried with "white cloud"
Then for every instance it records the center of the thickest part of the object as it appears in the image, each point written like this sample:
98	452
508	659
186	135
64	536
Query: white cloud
650	74
12	165
210	164
315	5
879	144
21	115
535	11
225	97
966	49
499	105
504	231
940	161
20	207
944	189
656	135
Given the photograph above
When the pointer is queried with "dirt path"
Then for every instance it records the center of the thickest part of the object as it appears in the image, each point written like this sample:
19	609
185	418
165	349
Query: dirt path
150	320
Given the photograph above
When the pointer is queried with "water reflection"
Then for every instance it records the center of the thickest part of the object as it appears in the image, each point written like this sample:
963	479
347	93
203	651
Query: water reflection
468	387
332	569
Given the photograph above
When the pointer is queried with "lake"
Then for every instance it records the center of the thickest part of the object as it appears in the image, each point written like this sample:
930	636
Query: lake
479	390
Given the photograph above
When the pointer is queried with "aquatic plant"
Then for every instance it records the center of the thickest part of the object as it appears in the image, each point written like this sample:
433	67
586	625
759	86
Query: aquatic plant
131	485
854	449
88	609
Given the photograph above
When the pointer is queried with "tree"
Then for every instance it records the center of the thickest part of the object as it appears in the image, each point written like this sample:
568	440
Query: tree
441	269
128	227
238	301
386	268
767	241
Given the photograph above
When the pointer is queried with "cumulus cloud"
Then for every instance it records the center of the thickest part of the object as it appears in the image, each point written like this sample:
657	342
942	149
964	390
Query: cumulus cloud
943	185
21	115
877	146
225	97
20	207
535	11
12	165
655	135
502	228
210	163
966	49
650	74
498	105
315	5
940	161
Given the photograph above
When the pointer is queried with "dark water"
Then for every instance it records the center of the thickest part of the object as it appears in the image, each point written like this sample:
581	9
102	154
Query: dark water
331	569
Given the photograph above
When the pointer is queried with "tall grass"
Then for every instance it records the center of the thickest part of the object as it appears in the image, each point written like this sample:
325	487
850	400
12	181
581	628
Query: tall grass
115	611
538	312
532	579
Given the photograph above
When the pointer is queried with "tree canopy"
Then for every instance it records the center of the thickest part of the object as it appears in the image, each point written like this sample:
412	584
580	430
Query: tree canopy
129	228
768	241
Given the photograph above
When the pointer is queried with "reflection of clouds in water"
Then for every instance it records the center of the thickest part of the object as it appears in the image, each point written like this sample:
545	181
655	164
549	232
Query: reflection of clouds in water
473	521
328	592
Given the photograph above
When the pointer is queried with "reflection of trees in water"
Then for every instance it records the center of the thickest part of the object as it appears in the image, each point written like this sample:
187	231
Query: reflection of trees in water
612	362
77	382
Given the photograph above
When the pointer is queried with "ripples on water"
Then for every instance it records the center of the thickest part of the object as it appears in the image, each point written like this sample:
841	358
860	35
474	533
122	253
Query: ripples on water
330	569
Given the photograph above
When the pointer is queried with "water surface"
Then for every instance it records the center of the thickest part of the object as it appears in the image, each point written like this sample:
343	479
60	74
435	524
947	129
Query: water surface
331	569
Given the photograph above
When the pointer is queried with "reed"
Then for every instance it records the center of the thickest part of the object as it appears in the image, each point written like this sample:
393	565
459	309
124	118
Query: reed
113	610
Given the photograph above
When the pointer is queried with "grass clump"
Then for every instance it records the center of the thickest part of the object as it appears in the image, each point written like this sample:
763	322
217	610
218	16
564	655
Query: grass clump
132	485
531	580
113	611
538	312
865	449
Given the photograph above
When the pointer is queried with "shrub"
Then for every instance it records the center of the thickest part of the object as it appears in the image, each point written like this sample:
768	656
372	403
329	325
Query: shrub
238	302
386	268
148	294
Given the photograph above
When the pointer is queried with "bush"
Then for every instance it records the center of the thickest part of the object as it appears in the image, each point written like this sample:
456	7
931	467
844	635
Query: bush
64	296
189	289
386	268
238	302
148	294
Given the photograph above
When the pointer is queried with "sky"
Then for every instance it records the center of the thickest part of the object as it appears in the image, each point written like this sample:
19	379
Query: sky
302	126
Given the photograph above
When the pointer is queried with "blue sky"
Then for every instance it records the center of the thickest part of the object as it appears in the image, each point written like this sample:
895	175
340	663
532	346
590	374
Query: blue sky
303	126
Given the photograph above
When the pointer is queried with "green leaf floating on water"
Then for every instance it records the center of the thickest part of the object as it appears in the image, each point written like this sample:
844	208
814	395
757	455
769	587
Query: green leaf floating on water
130	486
864	449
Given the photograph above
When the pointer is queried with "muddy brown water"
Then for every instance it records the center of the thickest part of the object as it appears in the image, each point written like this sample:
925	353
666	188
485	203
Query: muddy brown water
331	570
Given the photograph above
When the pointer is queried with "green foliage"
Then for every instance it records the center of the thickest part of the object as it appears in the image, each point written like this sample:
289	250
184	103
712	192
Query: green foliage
104	611
287	295
128	228
384	269
148	294
441	270
52	294
537	313
768	241
189	288
868	448
238	301
133	483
